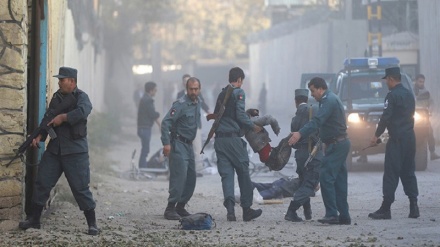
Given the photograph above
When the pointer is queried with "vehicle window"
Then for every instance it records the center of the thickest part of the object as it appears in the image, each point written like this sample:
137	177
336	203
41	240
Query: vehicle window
365	89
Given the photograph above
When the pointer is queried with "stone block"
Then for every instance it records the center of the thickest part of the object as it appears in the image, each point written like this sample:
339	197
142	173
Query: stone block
16	80
12	59
11	187
15	170
10	213
10	201
8	225
19	9
14	35
4	11
12	121
10	142
12	98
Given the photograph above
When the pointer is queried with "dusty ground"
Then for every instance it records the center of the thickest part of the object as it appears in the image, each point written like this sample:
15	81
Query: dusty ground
130	213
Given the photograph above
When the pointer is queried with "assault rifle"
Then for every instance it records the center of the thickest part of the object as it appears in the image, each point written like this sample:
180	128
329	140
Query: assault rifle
313	153
217	116
68	101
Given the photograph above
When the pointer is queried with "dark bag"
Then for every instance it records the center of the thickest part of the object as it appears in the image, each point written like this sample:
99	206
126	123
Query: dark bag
198	221
280	155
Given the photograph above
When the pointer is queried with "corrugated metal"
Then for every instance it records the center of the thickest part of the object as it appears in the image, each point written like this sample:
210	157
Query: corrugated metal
429	41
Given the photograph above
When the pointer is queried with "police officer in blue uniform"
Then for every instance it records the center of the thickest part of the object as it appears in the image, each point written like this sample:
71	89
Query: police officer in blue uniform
398	118
230	148
178	131
309	175
330	120
67	153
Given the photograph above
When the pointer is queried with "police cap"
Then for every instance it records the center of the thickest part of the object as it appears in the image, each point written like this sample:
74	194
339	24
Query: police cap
391	71
302	92
66	72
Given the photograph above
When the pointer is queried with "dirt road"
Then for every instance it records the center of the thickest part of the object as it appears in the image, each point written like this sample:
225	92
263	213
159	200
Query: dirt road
130	213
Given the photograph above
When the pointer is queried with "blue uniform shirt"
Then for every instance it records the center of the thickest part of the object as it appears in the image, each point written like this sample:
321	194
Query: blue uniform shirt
182	119
398	112
330	119
235	117
65	143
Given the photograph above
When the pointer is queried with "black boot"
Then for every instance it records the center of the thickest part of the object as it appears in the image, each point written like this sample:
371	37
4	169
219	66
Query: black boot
413	209
250	214
307	210
229	205
180	209
384	212
170	212
291	212
34	220
91	222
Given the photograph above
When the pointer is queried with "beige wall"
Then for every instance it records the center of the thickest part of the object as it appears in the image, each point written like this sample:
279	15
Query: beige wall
13	74
429	40
62	50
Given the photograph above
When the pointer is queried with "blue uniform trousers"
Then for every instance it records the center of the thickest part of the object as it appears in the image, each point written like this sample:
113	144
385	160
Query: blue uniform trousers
333	179
182	172
76	168
309	176
399	163
232	157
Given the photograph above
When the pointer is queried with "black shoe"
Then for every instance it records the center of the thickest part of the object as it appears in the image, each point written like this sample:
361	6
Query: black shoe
91	222
250	214
434	156
93	230
30	223
229	205
307	210
344	221
413	210
180	210
381	214
170	212
199	175
329	220
231	217
292	216
34	219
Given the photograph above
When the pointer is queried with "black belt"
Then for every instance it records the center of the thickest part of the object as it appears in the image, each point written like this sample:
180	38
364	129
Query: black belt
335	140
223	135
183	139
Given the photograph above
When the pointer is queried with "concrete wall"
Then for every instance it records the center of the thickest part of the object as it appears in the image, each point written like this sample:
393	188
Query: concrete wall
280	61
429	40
64	51
13	74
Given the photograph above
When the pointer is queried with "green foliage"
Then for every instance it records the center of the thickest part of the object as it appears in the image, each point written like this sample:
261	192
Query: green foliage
101	128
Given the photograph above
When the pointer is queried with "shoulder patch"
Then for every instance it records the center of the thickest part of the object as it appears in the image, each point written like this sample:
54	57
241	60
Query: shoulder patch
240	96
172	112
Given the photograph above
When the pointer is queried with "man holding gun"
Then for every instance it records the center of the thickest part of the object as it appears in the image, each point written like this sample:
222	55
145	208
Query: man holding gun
67	153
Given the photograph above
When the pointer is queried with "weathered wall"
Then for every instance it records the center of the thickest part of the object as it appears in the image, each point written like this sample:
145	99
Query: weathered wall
280	61
66	50
429	40
13	74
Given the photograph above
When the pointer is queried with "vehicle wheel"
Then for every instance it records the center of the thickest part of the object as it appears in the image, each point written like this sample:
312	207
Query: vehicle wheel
349	160
421	155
